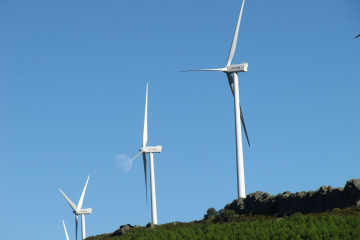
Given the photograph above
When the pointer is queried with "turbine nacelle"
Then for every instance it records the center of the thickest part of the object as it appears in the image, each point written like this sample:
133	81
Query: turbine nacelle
235	68
242	67
154	149
83	211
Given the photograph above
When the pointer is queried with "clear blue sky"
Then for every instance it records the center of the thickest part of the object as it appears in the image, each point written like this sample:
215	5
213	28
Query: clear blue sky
72	94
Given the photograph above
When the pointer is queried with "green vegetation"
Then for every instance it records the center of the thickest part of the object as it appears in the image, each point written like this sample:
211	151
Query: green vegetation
339	224
210	214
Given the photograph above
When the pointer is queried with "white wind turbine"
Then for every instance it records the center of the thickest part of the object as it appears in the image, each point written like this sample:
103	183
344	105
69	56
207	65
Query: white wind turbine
77	210
66	234
231	73
150	150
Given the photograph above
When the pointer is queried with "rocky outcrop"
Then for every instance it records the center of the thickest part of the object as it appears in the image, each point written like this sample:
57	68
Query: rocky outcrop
321	200
127	227
122	230
150	225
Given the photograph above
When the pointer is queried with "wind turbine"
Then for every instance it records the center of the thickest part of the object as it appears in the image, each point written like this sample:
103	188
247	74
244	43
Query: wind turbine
232	71
150	150
77	210
66	234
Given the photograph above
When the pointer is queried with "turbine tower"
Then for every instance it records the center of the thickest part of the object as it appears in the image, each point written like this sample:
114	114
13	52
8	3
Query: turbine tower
150	150
77	210
232	71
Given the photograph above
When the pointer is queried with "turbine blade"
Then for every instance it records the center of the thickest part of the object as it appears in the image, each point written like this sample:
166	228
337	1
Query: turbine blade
231	83
76	225
243	124
66	234
203	70
233	45
72	205
135	156
145	133
144	161
83	194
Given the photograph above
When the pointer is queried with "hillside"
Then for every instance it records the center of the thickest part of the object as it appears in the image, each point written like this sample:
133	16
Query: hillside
337	224
324	214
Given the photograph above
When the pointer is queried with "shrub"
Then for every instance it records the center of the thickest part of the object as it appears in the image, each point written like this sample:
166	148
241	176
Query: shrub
211	212
226	215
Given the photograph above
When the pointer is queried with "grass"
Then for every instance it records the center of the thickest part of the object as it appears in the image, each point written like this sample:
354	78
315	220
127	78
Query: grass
338	224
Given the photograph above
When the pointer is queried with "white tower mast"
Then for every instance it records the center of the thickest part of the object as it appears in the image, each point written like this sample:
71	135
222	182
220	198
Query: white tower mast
239	146
153	193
